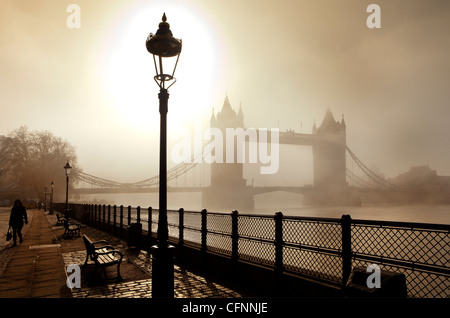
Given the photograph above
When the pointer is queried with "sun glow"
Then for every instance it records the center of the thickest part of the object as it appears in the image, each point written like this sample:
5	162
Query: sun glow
127	69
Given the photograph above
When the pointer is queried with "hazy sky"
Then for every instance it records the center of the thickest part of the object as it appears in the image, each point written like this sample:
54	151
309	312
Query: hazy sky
284	61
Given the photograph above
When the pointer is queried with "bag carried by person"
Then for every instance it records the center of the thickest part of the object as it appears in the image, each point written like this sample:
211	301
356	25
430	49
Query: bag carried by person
9	234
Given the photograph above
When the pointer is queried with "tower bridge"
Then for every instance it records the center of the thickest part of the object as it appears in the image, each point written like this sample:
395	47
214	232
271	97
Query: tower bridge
229	190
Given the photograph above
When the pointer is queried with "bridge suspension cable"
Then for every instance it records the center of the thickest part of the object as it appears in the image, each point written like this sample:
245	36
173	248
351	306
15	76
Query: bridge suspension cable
358	180
97	181
372	175
196	158
178	170
172	173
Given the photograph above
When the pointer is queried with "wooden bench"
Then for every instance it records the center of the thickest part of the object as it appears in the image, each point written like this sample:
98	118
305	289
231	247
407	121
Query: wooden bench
71	228
60	220
103	256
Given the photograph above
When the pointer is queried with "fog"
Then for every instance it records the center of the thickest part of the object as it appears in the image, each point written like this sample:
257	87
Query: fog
284	62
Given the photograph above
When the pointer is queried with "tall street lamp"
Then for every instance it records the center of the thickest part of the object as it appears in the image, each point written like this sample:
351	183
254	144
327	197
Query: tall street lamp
51	198
163	46
68	169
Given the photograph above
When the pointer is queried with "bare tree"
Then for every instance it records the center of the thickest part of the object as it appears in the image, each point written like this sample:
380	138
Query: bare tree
29	161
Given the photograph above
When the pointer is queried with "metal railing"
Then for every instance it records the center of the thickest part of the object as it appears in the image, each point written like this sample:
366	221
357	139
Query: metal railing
323	249
420	251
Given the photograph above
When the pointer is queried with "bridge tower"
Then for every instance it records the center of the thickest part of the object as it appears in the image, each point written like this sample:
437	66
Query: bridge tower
228	189
329	153
329	165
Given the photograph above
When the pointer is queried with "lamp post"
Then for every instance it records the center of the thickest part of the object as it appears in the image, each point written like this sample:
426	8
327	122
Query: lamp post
68	169
163	46
51	198
45	199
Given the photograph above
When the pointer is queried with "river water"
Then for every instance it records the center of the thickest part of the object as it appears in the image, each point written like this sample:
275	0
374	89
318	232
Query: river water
289	204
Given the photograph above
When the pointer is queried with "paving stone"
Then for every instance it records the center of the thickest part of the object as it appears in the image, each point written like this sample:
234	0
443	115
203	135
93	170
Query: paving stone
40	271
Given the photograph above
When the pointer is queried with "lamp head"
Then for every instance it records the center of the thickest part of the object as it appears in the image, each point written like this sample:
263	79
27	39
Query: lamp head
68	168
164	45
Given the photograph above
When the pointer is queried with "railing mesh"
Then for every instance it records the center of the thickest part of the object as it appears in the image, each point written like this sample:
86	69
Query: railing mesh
311	247
421	252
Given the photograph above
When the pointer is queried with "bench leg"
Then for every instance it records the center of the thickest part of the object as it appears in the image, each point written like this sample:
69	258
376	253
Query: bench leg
119	277
86	261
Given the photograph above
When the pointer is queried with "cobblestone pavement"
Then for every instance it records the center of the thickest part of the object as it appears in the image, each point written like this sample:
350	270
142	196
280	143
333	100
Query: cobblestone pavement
37	267
186	283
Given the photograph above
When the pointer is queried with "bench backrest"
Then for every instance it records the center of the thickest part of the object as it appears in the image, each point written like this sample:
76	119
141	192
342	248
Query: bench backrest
89	247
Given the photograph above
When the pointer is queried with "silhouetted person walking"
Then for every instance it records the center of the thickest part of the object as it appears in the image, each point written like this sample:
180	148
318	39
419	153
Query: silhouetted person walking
16	219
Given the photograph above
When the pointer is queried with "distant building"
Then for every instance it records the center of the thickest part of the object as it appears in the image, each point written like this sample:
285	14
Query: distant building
423	178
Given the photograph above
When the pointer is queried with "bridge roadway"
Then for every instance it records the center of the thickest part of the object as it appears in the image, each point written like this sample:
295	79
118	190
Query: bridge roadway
293	138
286	137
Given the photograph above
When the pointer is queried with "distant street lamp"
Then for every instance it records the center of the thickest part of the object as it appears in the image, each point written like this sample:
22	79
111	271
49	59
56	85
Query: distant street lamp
163	45
68	169
51	198
45	199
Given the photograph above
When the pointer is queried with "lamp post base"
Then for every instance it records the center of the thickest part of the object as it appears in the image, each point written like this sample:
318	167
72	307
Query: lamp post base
162	271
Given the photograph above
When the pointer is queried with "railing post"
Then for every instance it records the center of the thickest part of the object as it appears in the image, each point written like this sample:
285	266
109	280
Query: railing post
279	242
204	231
181	228
180	233
121	221
234	236
204	248
91	214
149	221
129	215
138	216
346	248
88	207
99	218
94	211
104	217
115	221
109	218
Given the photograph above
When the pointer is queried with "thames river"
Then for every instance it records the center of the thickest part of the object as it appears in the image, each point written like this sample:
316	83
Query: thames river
289	204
